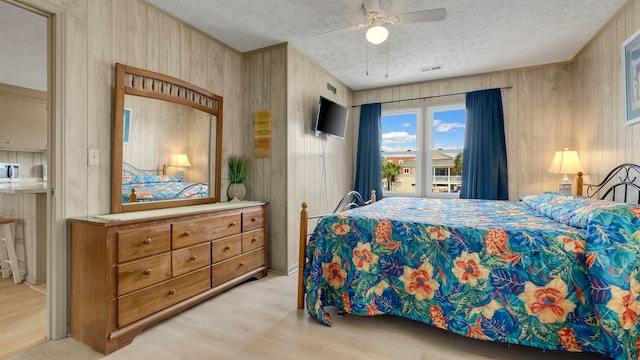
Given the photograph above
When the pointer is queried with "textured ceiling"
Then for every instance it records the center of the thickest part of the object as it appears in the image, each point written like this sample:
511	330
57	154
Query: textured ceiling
476	36
23	40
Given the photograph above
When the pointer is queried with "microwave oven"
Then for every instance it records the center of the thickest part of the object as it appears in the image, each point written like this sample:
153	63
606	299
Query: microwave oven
9	172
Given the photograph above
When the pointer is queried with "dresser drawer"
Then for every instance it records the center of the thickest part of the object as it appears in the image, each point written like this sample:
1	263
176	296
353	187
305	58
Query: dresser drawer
252	218
144	272
140	242
147	301
191	232
236	266
226	248
252	240
190	258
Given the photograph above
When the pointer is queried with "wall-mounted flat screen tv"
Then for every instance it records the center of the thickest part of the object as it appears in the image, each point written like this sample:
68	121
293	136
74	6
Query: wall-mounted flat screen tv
331	118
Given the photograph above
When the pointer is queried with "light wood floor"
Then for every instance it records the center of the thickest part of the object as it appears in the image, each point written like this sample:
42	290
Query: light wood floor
259	320
22	317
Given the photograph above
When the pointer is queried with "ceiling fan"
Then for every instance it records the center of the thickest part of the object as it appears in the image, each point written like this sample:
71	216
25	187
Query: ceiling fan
375	18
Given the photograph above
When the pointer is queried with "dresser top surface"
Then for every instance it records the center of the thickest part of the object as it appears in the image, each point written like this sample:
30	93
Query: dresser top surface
170	212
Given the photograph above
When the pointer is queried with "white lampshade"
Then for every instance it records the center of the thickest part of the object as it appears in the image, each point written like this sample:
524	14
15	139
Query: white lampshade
377	34
566	162
181	160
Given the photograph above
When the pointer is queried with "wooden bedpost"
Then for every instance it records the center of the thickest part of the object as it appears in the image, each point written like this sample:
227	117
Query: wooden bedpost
373	196
304	219
579	183
133	197
164	169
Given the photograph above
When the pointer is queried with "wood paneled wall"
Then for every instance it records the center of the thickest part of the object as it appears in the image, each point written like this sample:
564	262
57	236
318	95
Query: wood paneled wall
537	111
285	82
602	139
320	169
265	88
101	33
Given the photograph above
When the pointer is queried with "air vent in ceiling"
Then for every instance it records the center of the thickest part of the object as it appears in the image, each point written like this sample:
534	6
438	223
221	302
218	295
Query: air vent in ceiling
431	68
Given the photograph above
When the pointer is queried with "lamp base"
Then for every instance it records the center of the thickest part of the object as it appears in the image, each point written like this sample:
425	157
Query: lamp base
181	175
565	185
565	189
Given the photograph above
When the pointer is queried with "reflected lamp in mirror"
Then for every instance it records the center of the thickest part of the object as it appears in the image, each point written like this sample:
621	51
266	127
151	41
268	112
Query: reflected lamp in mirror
567	162
180	161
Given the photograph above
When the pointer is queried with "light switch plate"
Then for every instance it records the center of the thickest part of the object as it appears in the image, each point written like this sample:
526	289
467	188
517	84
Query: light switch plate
94	157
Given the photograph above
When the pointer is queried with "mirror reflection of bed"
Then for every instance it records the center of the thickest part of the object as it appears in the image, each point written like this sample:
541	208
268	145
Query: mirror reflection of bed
140	185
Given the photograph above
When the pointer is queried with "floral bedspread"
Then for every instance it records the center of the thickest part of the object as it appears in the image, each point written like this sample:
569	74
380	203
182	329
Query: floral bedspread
550	271
161	187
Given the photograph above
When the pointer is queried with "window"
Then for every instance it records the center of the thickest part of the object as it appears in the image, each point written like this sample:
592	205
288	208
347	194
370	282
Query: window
399	150
422	150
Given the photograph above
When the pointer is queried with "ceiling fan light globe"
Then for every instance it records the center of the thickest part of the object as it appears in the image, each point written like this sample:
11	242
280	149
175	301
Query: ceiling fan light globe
377	34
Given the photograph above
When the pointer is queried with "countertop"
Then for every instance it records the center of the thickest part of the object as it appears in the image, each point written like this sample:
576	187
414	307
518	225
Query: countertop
26	186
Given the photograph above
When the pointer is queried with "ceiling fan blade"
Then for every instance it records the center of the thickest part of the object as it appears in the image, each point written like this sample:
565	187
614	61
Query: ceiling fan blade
343	30
422	16
371	5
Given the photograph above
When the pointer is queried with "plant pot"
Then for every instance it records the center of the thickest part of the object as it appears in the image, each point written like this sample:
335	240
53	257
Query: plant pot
236	191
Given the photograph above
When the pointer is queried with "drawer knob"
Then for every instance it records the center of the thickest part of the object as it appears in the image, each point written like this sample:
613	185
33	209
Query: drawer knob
194	257
172	292
242	264
187	233
254	219
147	271
146	241
254	239
228	247
232	224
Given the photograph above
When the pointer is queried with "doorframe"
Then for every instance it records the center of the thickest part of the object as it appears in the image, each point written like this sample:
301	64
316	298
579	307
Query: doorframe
56	229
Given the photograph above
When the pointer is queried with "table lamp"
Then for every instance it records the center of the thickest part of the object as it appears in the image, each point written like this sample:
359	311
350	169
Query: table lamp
181	161
567	162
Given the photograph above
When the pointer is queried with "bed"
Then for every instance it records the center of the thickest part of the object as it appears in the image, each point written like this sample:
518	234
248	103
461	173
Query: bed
551	271
140	185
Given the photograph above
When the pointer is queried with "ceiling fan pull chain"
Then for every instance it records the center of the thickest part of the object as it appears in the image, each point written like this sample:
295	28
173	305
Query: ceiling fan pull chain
386	76
367	46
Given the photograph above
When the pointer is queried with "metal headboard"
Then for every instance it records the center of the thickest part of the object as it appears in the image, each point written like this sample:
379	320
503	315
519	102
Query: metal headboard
128	169
621	184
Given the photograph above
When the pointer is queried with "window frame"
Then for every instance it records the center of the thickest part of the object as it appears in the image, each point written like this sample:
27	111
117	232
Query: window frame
429	148
424	147
419	111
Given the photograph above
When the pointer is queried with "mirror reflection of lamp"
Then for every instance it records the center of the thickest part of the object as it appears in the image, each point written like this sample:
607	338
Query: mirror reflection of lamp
180	161
567	162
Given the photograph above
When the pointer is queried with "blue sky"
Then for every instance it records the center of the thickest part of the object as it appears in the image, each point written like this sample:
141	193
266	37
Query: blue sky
399	131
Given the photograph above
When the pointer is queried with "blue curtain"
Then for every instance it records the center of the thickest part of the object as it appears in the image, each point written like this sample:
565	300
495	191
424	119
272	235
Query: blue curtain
484	164
368	163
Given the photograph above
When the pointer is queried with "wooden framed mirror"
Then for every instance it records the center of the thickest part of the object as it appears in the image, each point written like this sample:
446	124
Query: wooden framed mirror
167	142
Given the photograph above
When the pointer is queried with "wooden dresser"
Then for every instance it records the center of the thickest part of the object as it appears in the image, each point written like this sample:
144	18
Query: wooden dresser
129	271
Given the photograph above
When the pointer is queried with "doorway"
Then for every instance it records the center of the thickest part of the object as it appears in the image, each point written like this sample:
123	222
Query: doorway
25	80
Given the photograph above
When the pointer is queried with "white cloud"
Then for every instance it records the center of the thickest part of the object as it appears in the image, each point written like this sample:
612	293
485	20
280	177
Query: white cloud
441	126
406	124
398	137
397	148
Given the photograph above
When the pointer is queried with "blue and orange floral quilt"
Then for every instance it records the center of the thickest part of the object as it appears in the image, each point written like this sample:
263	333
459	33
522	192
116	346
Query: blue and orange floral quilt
551	271
161	187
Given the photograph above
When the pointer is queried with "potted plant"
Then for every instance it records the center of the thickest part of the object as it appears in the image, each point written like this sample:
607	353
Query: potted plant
238	167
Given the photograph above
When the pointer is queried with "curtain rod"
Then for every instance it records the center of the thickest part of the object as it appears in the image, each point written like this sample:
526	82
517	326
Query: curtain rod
429	97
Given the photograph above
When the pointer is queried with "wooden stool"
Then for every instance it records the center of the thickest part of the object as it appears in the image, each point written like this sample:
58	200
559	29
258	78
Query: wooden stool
8	251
